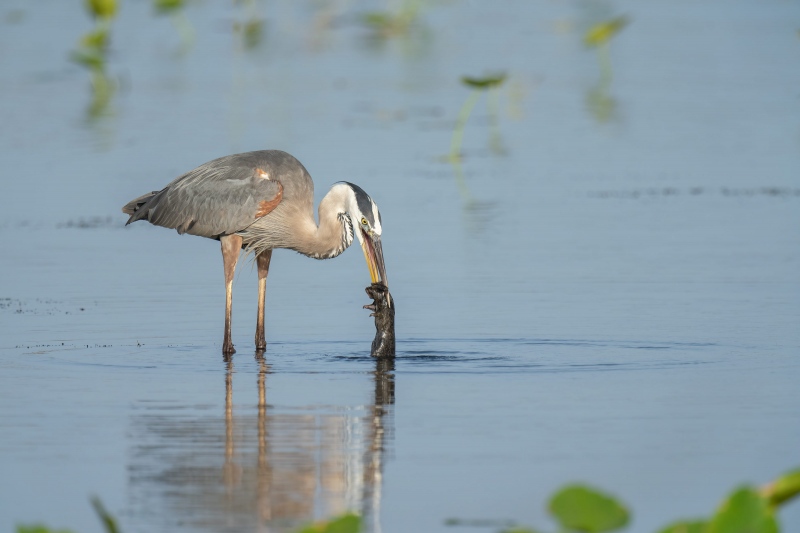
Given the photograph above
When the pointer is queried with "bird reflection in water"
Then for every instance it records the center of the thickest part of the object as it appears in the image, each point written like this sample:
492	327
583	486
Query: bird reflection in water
270	472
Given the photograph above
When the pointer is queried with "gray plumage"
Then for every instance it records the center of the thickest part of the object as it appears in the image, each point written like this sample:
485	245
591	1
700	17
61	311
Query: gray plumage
260	201
222	196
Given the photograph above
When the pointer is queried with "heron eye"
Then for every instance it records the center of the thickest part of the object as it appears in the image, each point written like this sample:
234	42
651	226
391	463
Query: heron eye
363	221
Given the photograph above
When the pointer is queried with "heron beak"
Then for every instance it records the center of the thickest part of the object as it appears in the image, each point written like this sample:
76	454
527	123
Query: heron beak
373	253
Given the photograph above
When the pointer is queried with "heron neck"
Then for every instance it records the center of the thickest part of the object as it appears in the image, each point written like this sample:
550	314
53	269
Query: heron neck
335	230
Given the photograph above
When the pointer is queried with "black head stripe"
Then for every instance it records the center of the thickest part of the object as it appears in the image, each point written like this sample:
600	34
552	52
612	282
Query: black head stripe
364	202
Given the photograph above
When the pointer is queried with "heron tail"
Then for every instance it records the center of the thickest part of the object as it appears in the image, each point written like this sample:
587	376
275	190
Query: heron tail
132	207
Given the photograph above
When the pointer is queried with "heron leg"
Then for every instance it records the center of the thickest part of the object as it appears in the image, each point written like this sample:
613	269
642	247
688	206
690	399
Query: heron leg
263	260
231	246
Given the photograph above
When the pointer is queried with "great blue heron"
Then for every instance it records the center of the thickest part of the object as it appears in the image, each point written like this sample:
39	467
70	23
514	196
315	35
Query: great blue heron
260	201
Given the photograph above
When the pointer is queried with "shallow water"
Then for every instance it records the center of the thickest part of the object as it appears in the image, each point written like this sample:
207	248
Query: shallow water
614	299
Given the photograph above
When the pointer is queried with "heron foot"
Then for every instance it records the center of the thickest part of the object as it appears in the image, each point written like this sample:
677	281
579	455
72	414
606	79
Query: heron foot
227	348
261	343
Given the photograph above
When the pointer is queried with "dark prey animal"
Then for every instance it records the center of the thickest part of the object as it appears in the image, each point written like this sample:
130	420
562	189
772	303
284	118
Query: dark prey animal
260	201
382	308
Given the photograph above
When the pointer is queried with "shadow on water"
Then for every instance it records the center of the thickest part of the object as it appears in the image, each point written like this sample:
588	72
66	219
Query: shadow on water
500	356
277	468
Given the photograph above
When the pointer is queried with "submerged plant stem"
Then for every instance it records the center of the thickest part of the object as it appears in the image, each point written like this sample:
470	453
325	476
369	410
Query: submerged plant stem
463	116
461	183
495	139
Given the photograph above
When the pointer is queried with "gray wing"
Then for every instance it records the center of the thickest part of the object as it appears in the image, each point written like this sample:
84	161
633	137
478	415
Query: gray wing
217	198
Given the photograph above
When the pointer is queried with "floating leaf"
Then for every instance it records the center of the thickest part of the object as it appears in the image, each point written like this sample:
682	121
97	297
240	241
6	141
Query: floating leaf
377	19
39	528
686	526
587	509
165	7
782	489
386	24
603	32
347	523
486	82
102	8
253	32
97	38
745	511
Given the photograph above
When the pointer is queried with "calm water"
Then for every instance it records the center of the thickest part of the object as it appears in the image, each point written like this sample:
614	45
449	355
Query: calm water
607	290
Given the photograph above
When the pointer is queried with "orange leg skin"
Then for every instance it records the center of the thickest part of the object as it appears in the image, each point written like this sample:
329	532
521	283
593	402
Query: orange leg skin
231	245
263	260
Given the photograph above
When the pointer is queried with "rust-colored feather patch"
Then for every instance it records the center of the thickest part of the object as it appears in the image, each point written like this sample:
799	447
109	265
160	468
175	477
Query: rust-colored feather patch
265	207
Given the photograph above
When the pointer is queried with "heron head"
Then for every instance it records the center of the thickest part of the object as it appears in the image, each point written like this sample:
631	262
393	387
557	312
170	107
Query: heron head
367	226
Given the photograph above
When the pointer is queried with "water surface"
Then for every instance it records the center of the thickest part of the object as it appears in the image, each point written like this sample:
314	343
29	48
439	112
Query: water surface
613	297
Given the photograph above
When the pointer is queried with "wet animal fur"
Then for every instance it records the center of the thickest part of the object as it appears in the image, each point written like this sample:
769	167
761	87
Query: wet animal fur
382	308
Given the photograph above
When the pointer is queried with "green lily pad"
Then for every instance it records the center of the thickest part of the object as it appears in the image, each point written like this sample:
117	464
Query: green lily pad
97	38
39	528
253	33
782	489
603	32
586	509
745	511
347	523
385	24
165	7
686	526
486	82
102	8
377	19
